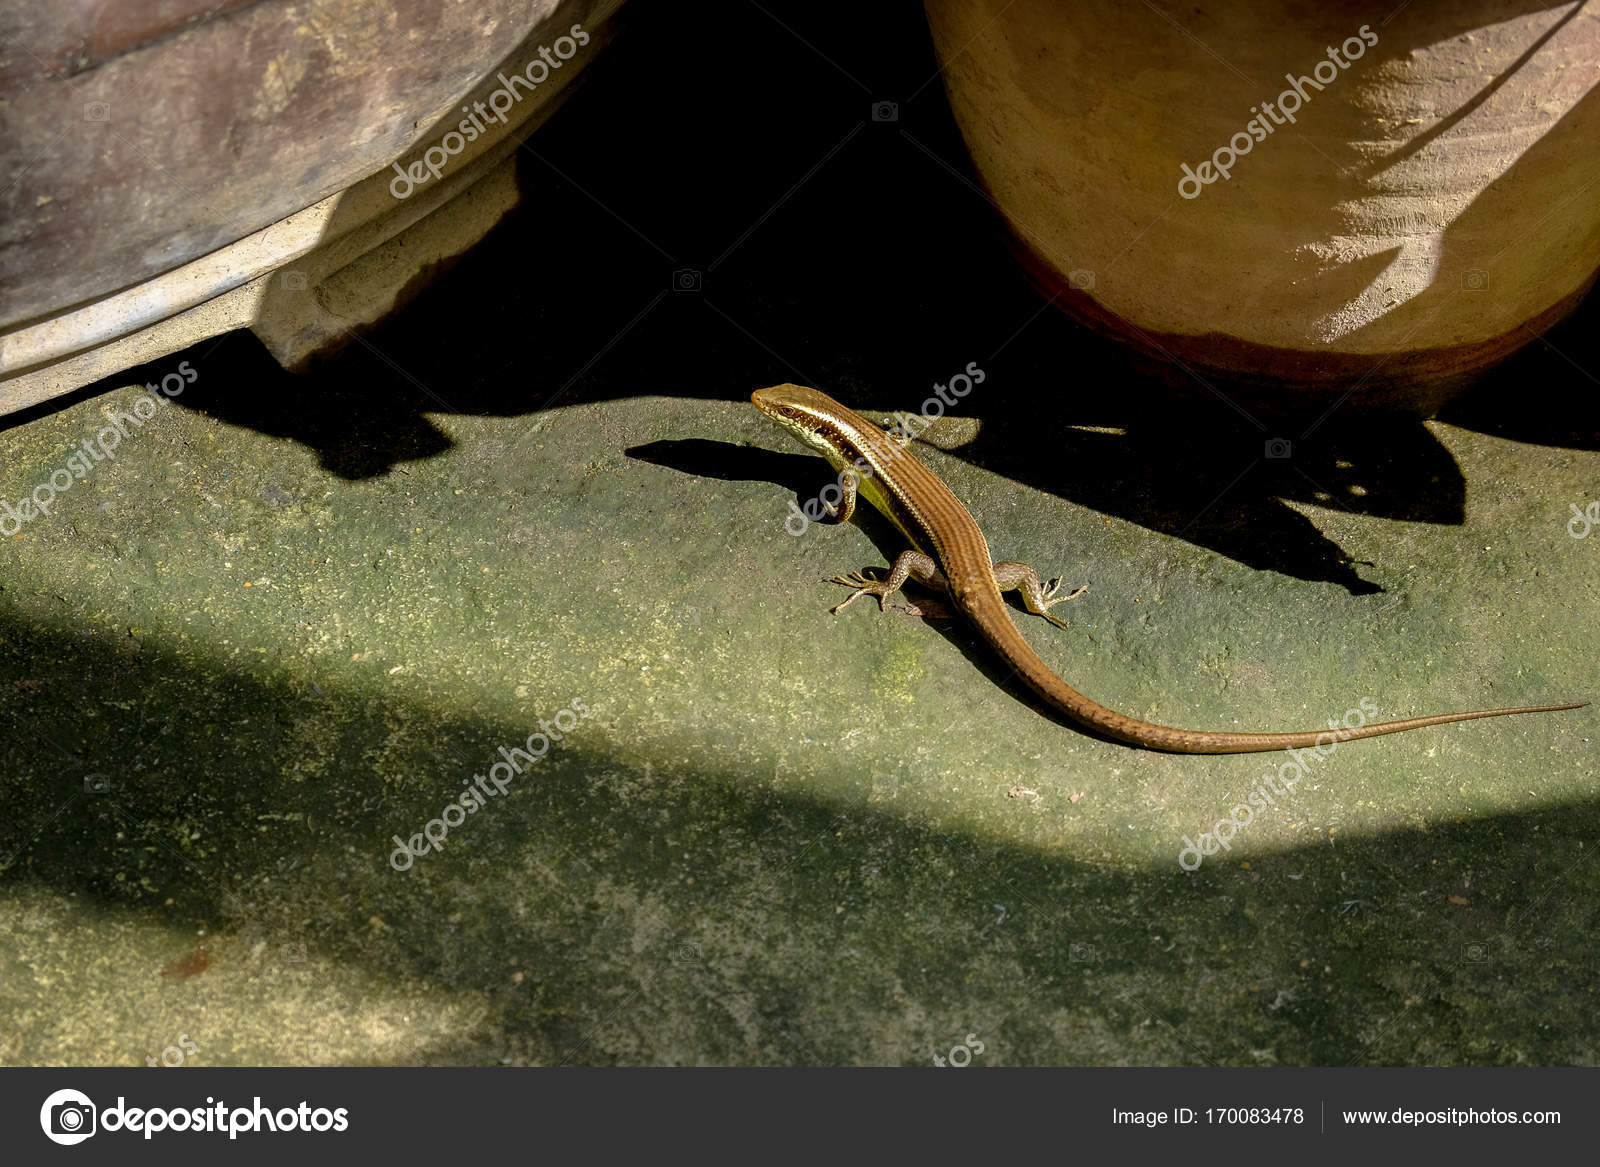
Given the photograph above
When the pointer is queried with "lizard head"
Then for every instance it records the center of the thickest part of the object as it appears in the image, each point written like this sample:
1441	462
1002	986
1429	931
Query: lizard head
852	444
814	418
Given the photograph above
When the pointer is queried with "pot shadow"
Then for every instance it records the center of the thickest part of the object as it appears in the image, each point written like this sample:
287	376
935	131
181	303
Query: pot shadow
1464	941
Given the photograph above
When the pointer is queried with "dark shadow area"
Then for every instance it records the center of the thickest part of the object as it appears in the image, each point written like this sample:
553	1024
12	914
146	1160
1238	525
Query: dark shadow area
1554	383
810	930
803	474
701	232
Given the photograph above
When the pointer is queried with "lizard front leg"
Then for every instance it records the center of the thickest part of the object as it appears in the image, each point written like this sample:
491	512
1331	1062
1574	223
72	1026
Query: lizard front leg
910	565
841	511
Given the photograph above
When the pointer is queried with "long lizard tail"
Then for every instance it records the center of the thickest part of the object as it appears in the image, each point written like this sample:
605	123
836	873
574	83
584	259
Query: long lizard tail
1044	681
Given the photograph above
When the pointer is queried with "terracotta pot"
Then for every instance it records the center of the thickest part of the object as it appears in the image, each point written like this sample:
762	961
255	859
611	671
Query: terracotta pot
1420	199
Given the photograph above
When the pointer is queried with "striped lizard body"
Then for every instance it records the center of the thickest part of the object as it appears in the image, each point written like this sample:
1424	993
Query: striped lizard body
950	555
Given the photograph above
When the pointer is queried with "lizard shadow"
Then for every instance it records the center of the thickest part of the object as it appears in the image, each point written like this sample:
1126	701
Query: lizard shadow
802	473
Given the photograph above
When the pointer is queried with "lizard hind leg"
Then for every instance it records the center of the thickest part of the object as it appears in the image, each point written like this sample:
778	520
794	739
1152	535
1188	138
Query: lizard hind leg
1036	597
909	565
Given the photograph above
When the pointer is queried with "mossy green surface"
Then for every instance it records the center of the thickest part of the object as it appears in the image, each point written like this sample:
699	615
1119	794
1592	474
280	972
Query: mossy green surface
784	836
296	613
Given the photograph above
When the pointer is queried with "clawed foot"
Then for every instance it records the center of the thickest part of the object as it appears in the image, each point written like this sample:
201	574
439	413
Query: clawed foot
1054	586
1051	600
865	585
